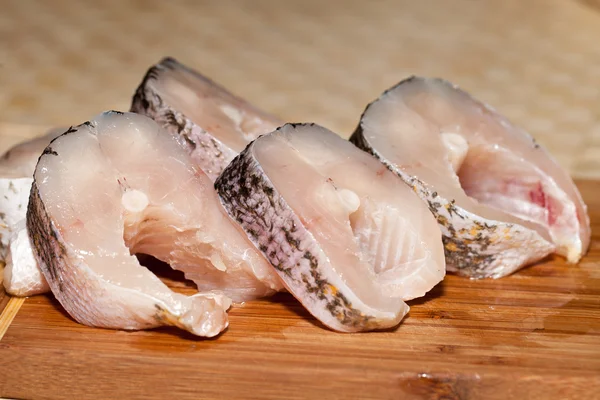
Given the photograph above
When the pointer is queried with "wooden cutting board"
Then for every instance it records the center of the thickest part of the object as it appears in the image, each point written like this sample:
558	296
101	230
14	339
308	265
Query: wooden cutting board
533	335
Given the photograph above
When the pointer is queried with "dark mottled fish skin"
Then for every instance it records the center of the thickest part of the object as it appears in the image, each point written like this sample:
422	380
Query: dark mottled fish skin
50	253
251	199
476	248
211	154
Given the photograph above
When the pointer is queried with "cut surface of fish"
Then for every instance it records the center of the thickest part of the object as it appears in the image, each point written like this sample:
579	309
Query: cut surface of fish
500	199
348	238
22	276
119	185
216	124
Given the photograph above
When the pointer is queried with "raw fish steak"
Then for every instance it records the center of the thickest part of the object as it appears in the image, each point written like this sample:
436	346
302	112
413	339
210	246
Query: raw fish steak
22	276
350	240
118	186
216	124
500	199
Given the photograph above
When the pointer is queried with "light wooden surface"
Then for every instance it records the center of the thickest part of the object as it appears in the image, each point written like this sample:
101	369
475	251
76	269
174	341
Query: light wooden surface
533	335
537	61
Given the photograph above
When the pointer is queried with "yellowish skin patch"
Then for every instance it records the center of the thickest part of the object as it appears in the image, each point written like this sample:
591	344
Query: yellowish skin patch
332	290
451	246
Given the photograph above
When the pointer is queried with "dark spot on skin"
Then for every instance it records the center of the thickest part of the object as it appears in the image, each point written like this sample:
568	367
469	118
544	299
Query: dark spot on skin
189	141
252	233
172	119
72	129
88	124
297	124
49	150
218	153
295	243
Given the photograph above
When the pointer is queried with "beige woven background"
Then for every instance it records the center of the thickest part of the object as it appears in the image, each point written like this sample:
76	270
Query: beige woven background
537	61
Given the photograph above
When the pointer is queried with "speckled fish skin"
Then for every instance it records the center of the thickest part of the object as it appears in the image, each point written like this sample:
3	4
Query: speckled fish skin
138	193
216	124
481	177
349	239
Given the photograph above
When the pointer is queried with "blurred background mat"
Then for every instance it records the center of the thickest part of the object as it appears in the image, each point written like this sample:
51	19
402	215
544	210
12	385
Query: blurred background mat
537	61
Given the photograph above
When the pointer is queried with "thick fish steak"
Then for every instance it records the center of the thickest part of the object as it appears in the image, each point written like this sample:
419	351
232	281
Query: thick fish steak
216	124
501	201
116	186
348	238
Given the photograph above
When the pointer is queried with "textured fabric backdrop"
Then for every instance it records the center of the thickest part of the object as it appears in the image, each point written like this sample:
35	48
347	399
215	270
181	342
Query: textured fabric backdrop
537	61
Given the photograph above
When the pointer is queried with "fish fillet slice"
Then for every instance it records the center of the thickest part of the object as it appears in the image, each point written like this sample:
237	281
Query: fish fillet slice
216	124
331	219
501	201
95	187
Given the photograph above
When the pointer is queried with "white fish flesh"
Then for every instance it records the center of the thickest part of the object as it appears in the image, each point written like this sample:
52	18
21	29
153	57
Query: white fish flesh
117	186
216	124
348	238
500	199
22	276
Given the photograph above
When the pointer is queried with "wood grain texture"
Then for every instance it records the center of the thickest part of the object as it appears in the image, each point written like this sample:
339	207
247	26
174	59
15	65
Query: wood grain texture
9	307
535	334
